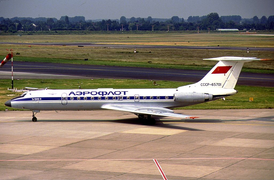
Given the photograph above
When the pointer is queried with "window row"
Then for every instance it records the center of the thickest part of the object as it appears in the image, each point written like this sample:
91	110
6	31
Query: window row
120	98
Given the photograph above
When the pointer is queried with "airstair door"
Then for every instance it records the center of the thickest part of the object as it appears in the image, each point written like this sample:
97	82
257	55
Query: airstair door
64	99
136	98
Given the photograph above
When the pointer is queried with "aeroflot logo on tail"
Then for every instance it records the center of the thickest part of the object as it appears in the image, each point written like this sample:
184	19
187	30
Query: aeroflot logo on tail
221	70
101	93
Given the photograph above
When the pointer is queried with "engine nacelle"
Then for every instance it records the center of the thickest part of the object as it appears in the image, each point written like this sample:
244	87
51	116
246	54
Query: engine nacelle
192	97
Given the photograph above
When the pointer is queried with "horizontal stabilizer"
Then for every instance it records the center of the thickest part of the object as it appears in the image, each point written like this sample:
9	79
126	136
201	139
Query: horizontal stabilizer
233	58
154	111
31	88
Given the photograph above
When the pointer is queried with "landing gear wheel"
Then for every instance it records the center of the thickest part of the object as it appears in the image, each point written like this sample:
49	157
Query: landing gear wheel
141	116
146	119
34	119
34	112
150	121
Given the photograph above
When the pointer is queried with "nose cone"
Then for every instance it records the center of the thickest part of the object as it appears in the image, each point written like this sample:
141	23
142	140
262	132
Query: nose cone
8	103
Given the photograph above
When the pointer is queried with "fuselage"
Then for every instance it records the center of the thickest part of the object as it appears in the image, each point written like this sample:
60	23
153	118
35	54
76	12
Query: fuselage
88	99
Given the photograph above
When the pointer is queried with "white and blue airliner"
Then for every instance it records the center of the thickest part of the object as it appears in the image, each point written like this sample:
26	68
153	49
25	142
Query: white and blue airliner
219	82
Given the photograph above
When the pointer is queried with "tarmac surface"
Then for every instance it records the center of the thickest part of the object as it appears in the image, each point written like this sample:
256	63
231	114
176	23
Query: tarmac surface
221	144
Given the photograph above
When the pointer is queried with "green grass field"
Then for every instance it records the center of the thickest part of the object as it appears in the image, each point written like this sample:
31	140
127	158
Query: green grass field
263	96
152	38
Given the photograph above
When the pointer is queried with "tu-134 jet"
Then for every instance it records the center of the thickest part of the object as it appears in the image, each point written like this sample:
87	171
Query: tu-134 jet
219	82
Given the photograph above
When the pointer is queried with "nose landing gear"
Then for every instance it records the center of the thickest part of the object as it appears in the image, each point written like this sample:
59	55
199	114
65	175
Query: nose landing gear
34	118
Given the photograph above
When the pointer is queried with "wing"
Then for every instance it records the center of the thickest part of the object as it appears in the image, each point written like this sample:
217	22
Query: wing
154	111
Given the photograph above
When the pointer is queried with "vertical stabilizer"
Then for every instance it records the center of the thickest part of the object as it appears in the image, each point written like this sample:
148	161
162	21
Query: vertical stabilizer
225	73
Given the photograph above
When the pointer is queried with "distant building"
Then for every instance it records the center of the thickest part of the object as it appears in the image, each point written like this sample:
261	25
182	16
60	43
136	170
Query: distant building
228	30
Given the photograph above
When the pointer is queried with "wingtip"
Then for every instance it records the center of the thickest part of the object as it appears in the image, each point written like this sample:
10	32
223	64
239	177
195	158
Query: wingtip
266	59
192	117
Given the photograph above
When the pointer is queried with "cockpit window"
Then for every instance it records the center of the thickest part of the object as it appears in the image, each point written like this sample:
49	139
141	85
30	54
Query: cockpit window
22	95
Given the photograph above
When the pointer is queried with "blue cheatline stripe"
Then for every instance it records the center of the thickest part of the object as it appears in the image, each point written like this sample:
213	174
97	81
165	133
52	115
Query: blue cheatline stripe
96	98
25	99
39	99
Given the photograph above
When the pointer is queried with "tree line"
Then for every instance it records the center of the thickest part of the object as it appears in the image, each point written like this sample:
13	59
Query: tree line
211	21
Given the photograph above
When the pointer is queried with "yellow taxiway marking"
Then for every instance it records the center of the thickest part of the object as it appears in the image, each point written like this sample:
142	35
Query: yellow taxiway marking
154	131
22	149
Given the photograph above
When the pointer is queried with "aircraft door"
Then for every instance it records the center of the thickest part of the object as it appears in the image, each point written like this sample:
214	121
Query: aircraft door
64	99
35	101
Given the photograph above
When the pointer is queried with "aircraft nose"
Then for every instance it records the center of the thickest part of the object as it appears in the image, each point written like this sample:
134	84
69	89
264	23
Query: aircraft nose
8	103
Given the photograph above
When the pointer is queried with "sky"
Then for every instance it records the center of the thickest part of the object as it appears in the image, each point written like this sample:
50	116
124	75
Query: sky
114	9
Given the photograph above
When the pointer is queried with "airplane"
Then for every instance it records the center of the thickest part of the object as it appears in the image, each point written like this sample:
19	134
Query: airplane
147	104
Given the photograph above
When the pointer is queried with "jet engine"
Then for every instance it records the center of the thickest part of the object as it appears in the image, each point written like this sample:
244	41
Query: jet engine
192	97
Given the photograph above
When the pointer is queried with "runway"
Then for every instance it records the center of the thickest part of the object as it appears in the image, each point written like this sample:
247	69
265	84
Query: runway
144	46
221	144
54	70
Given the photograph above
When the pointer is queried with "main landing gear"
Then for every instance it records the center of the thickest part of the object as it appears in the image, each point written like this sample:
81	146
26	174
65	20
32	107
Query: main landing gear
34	118
146	119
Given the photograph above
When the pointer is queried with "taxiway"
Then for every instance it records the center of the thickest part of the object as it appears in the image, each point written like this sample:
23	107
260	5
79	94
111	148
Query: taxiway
35	70
221	144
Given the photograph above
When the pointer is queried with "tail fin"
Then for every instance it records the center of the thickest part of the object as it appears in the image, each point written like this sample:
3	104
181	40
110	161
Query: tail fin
225	73
220	81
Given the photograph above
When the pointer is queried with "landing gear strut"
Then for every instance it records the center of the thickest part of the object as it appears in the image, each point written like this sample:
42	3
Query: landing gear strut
34	119
144	116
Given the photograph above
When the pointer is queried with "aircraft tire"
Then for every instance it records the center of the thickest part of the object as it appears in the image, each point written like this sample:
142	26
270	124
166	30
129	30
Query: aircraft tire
34	119
141	116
